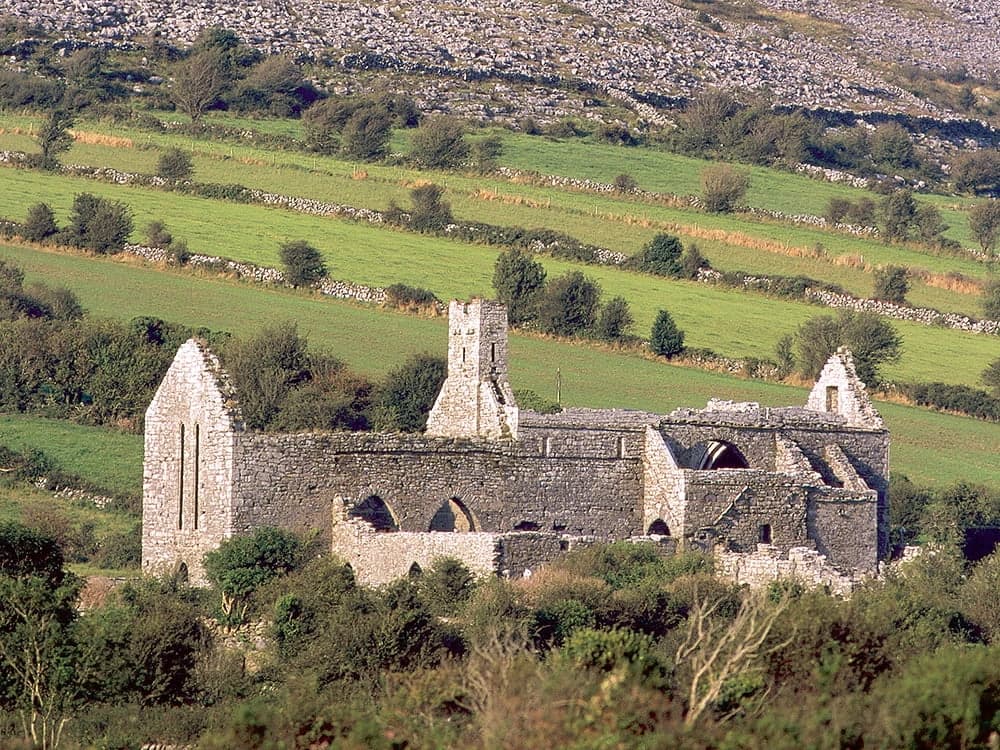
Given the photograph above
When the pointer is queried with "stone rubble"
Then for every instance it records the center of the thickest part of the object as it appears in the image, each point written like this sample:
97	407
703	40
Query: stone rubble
638	52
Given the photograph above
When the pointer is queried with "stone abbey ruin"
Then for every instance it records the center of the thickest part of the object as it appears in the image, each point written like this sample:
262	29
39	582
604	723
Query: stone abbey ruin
799	489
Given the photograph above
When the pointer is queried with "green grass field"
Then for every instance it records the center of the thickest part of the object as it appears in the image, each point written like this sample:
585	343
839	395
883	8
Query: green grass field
733	323
616	222
930	448
116	467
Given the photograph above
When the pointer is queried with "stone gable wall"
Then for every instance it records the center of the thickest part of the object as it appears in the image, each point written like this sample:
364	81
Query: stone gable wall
187	489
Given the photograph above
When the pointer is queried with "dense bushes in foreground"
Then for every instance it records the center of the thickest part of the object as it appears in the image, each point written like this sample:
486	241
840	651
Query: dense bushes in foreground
615	646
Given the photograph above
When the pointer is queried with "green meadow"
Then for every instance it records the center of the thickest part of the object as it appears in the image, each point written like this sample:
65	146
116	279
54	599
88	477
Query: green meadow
931	448
733	323
618	222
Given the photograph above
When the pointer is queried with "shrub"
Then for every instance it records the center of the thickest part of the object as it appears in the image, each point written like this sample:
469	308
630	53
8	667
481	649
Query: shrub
661	255
722	188
366	134
303	263
990	301
439	143
569	305
242	564
408	394
518	280
446	586
99	224
626	183
991	377
528	399
692	262
430	212
174	164
39	224
157	235
615	320
666	339
891	284
401	295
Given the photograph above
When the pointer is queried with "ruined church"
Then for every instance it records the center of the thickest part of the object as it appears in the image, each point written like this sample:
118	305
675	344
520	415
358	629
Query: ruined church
505	489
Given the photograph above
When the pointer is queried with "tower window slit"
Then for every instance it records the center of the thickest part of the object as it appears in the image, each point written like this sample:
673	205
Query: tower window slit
180	484
197	451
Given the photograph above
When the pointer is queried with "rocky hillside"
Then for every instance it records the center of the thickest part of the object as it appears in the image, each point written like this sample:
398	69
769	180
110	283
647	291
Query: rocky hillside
838	54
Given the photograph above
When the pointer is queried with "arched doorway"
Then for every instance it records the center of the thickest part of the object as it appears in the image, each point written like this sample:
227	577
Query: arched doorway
452	516
658	528
374	511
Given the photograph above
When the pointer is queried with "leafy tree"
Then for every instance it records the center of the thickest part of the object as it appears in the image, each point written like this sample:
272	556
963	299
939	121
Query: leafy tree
241	564
991	377
626	183
446	586
264	368
784	351
666	339
898	211
891	284
891	145
984	224
518	280
39	224
303	263
430	212
692	262
977	171
37	652
439	143
199	81
568	305
871	339
174	164
485	153
661	255
615	320
929	225
366	134
990	301
409	391
722	188
703	119
99	224
54	138
837	210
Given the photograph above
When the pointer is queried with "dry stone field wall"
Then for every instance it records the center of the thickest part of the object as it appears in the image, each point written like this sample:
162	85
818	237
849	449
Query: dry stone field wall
622	49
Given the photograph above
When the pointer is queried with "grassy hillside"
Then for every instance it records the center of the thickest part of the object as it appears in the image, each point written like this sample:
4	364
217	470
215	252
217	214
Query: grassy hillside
731	242
730	322
930	448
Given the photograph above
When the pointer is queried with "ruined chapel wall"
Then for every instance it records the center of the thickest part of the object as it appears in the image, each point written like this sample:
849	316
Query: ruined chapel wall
187	468
290	481
842	524
378	558
736	503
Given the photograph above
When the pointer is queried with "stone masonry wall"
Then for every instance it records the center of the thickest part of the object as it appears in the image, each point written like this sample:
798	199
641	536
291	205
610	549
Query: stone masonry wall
186	478
381	557
768	563
291	480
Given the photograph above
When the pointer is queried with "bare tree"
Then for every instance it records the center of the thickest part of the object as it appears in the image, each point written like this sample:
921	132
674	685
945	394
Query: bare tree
715	649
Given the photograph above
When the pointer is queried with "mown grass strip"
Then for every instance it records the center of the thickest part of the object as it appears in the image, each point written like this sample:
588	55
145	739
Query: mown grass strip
116	467
931	448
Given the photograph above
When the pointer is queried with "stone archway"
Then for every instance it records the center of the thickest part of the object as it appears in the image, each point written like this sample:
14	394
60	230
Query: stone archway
658	528
453	516
376	512
719	454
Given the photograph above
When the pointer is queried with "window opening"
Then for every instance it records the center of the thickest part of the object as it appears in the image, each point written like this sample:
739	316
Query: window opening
764	533
180	492
197	449
832	398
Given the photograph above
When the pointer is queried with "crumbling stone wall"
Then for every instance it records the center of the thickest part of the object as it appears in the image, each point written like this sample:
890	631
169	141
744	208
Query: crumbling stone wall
768	563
